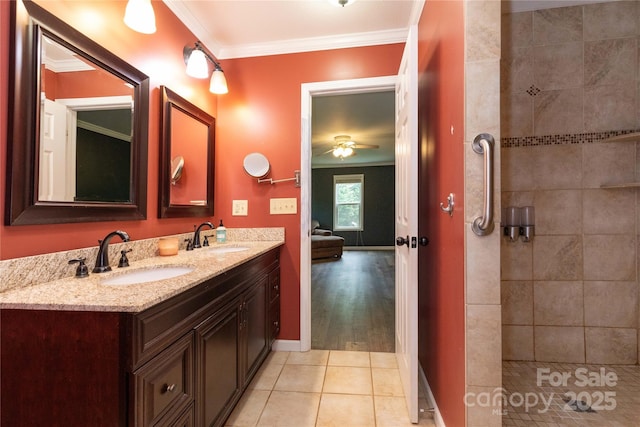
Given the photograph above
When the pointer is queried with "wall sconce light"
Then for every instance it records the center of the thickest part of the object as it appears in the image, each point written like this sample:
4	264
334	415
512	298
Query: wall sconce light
519	221
139	16
197	58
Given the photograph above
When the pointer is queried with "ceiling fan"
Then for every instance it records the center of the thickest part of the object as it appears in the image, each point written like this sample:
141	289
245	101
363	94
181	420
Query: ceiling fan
344	146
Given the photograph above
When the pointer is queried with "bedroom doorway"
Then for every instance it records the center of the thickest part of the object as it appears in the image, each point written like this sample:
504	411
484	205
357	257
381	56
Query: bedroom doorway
349	300
353	302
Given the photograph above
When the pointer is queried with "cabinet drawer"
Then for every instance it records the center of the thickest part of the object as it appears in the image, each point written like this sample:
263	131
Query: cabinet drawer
274	320
185	419
274	285
164	386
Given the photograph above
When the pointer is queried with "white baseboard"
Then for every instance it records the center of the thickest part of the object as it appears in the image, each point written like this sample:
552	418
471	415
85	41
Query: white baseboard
369	248
286	345
437	418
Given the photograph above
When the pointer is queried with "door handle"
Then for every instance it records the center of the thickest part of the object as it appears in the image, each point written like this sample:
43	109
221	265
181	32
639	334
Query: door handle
402	241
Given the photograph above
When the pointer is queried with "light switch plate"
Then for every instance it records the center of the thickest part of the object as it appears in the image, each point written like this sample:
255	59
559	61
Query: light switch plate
240	208
283	206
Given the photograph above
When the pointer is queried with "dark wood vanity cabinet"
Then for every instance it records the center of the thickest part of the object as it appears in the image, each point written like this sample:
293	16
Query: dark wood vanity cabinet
184	362
231	346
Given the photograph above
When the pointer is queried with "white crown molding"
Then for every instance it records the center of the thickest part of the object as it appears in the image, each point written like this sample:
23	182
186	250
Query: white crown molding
179	9
66	65
287	46
316	43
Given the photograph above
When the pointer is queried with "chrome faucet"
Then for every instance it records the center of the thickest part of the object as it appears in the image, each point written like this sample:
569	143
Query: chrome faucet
102	261
196	234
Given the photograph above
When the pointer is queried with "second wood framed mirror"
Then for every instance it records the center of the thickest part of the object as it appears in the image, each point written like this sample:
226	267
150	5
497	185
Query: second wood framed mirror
187	158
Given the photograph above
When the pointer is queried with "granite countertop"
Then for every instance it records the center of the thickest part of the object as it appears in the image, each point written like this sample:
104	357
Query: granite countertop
89	294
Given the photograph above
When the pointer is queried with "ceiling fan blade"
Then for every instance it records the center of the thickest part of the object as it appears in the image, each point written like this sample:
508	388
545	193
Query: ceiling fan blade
322	153
358	146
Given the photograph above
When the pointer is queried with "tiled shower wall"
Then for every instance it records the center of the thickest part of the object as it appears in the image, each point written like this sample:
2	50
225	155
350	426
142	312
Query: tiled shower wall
569	79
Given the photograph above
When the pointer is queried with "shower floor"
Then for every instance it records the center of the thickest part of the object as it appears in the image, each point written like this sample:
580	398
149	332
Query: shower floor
566	394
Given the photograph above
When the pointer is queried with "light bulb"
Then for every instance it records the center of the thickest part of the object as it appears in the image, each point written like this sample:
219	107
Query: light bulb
347	152
218	83
139	16
197	65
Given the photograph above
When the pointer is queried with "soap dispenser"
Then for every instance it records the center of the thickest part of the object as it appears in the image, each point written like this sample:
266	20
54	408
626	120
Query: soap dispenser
221	233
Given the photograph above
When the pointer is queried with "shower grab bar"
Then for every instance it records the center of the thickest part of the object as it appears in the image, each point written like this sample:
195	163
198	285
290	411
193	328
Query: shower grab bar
483	144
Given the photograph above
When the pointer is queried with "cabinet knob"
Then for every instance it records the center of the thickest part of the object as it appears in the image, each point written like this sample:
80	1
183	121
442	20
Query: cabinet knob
169	388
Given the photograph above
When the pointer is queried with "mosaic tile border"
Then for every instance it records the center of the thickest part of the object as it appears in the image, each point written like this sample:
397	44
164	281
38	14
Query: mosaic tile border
562	139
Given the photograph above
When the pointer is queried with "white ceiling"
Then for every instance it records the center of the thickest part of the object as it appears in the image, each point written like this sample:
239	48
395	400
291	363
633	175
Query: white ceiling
246	28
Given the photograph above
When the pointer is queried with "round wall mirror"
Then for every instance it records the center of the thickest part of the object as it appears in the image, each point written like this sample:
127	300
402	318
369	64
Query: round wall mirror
177	164
256	165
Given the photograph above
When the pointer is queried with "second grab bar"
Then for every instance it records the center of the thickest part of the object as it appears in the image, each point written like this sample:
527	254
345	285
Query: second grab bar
483	144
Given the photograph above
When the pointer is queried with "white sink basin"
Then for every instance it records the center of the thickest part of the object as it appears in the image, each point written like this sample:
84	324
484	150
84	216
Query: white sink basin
145	275
227	249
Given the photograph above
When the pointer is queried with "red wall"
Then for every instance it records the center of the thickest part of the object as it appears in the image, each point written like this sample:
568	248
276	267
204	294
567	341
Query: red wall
260	113
441	271
159	56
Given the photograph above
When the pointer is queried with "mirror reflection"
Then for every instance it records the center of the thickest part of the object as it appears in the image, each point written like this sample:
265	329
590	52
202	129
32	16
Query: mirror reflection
186	157
85	129
78	130
189	144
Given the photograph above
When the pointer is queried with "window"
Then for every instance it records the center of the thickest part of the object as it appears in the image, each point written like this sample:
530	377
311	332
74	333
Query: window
348	202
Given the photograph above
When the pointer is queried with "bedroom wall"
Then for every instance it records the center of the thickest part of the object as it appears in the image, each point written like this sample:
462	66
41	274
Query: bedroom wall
379	194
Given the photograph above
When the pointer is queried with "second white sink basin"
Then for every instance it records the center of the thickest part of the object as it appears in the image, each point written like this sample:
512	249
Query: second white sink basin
227	249
145	275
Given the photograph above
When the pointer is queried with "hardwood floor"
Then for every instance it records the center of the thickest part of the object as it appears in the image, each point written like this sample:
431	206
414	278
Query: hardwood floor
353	302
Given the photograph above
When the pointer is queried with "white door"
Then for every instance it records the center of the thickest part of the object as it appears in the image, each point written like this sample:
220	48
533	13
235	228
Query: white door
407	222
54	163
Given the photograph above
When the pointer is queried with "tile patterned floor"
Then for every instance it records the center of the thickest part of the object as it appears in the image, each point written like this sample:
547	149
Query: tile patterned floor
605	396
326	388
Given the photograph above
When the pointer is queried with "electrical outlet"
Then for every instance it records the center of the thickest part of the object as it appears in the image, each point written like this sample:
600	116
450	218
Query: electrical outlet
283	206
240	208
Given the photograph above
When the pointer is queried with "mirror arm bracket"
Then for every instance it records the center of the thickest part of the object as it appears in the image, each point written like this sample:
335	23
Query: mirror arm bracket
296	178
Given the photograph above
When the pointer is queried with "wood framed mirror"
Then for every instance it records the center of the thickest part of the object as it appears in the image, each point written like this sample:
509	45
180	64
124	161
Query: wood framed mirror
187	158
77	128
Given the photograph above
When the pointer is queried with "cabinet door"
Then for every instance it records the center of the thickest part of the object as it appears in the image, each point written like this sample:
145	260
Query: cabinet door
217	346
164	385
255	326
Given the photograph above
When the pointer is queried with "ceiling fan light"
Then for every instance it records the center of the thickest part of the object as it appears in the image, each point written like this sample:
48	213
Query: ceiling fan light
197	65
347	151
139	16
338	152
341	3
218	83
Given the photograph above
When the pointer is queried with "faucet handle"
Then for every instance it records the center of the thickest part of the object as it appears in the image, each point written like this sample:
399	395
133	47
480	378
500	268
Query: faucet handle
82	270
189	244
205	242
124	261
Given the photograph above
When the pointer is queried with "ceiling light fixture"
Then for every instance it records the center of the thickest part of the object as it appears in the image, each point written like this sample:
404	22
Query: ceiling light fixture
139	16
342	3
197	66
344	146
